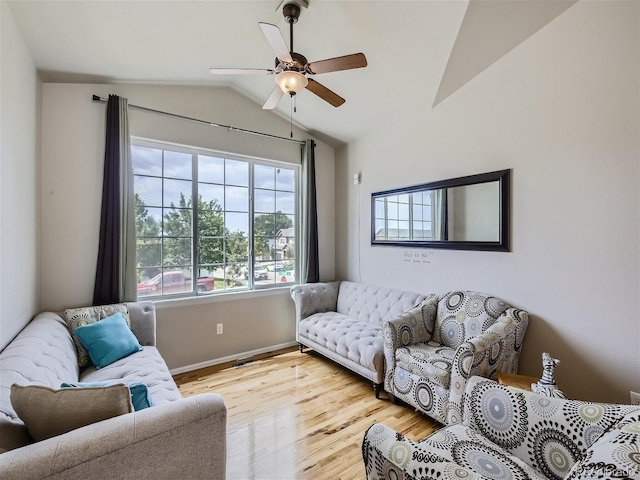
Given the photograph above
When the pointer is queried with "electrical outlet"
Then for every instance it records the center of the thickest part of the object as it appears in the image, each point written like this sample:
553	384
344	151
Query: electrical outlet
219	329
635	398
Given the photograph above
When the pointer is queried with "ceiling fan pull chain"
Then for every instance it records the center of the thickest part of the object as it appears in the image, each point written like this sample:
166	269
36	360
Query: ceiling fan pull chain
295	104
291	115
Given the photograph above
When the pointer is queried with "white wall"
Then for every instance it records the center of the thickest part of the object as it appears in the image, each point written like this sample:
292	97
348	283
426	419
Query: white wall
73	151
562	111
20	90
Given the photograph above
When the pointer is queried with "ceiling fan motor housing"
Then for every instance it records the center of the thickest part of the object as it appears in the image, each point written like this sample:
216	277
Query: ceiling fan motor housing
299	63
291	12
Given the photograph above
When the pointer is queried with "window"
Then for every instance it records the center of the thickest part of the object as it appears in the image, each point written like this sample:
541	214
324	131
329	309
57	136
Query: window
240	234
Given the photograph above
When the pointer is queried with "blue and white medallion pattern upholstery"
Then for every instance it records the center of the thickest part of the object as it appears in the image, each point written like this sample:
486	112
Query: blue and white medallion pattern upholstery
432	350
512	434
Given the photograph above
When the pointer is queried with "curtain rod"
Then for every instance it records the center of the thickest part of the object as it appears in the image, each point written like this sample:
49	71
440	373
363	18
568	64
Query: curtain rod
96	98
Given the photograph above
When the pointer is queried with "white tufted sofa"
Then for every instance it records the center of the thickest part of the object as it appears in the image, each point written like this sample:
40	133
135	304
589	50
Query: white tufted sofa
177	438
341	320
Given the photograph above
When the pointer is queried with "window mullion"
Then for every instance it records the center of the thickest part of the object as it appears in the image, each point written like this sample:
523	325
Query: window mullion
251	259
410	216
194	224
163	232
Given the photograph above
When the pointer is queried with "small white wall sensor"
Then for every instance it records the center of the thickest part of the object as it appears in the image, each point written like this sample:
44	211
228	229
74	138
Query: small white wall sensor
356	178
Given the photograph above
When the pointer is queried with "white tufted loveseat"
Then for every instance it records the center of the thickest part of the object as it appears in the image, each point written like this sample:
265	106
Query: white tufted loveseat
176	438
341	320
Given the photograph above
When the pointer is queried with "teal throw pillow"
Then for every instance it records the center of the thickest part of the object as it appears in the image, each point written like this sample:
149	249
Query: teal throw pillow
108	340
140	396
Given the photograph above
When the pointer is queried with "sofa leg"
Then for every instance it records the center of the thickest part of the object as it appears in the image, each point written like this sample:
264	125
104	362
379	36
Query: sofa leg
377	387
392	398
301	347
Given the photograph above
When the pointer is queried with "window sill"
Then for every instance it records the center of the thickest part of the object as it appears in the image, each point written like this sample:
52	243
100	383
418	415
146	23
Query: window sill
218	297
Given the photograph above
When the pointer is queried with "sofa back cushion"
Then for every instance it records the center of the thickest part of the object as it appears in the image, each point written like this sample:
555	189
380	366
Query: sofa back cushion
43	353
465	314
374	304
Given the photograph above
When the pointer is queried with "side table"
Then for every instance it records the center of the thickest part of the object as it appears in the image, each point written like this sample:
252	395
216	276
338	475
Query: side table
518	381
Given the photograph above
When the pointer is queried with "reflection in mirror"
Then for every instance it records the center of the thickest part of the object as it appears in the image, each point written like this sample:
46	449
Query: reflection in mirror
474	213
416	216
469	213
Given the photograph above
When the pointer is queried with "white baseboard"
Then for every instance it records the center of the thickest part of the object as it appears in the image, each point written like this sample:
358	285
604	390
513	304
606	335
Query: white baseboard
231	358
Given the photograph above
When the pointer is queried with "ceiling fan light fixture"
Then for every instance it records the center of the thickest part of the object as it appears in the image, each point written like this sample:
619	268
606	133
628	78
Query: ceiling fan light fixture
291	82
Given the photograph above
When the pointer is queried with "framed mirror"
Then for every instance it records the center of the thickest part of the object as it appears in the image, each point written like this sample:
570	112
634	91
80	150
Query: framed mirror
466	213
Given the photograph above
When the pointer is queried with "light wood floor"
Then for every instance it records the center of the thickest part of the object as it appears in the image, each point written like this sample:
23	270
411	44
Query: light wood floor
299	416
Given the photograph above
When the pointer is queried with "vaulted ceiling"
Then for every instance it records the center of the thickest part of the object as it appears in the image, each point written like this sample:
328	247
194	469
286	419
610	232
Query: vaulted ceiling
418	52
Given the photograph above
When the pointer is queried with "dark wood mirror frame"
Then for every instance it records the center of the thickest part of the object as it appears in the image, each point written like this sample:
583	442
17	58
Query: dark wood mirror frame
501	243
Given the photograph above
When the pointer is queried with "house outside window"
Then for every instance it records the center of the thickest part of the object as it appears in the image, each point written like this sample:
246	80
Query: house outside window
240	234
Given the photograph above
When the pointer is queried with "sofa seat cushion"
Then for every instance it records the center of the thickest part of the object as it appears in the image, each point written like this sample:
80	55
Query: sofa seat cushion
145	366
467	448
428	360
357	340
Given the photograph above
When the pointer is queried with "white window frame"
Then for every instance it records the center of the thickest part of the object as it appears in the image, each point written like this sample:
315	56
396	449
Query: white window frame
251	287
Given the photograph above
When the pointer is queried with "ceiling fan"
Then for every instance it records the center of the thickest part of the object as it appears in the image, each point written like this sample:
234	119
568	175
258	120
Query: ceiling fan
292	69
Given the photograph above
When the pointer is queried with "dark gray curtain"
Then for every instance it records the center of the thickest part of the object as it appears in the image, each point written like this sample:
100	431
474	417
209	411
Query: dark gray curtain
115	272
310	271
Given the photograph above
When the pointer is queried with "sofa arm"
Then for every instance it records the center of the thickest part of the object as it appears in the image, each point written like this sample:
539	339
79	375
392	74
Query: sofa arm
497	349
413	326
311	298
515	322
181	439
388	454
143	322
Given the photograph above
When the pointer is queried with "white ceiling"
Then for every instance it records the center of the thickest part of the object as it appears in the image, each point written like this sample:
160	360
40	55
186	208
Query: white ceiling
408	45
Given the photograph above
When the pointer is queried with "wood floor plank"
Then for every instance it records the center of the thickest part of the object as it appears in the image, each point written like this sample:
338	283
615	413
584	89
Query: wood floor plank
299	416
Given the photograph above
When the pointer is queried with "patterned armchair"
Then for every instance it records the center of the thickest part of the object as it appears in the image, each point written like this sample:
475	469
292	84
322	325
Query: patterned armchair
512	434
432	350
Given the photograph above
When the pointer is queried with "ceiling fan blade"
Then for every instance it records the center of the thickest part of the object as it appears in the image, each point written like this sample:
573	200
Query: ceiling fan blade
241	71
324	93
347	62
276	40
273	99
